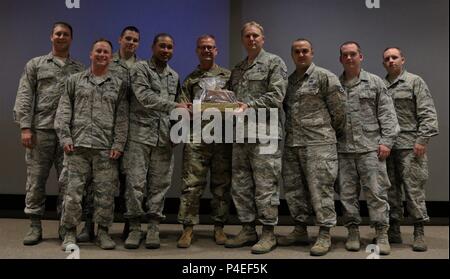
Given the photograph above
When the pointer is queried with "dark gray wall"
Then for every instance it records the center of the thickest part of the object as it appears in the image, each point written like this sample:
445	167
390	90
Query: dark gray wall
25	32
419	27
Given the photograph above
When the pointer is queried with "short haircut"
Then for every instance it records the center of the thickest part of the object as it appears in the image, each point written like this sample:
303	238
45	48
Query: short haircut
350	43
252	23
301	40
161	35
102	40
130	28
397	48
205	36
64	24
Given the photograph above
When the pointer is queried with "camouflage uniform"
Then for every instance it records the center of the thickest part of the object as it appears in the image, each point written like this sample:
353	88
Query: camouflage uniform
147	162
117	68
200	158
371	121
418	123
255	176
93	116
40	88
315	109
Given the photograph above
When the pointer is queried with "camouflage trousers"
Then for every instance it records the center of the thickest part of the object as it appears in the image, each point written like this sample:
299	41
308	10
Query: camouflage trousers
82	164
407	173
198	159
88	194
364	170
39	160
309	174
255	183
147	168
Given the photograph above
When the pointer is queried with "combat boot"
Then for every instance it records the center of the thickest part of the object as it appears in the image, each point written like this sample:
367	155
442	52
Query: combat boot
69	238
219	236
298	236
185	239
34	234
246	237
323	243
152	239
135	235
394	233
103	240
87	233
383	240
353	242
267	242
419	244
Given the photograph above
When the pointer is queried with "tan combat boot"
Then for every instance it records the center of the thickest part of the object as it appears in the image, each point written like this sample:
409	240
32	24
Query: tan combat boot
69	238
246	237
353	242
135	235
419	244
104	240
394	233
298	236
185	239
323	243
267	242
87	233
152	239
219	236
34	234
382	240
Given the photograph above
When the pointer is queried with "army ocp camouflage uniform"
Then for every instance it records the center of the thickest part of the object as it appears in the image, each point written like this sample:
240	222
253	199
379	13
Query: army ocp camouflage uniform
315	109
371	121
40	88
255	176
418	122
147	161
199	158
93	116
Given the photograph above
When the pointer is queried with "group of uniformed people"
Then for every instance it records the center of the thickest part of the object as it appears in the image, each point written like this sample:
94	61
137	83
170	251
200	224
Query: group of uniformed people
111	123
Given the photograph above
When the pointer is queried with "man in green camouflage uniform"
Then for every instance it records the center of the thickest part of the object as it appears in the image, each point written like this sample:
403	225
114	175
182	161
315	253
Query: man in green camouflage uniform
259	81
408	164
315	112
92	125
40	88
148	157
369	135
120	66
199	158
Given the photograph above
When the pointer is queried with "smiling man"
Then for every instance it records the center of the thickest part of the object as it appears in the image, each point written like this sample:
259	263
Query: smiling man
92	125
201	158
408	164
315	113
120	66
40	88
147	162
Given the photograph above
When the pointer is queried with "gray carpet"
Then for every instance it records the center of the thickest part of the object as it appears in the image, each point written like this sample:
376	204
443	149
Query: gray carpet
12	232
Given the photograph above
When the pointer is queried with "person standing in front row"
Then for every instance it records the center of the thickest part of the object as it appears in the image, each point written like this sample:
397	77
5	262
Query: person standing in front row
370	132
92	125
315	113
259	82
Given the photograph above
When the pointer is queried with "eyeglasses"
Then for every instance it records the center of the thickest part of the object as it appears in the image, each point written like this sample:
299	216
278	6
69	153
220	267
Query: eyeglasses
206	47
